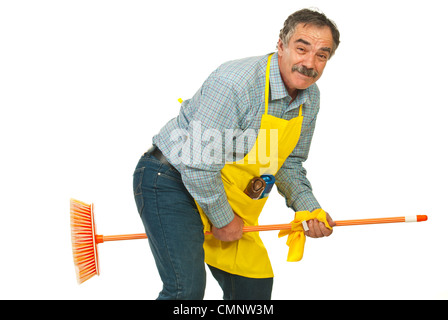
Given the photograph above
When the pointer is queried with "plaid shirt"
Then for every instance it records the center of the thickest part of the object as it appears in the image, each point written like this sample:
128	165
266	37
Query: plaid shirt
232	97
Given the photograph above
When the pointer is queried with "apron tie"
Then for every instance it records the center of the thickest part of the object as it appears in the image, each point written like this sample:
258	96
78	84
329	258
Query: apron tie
296	235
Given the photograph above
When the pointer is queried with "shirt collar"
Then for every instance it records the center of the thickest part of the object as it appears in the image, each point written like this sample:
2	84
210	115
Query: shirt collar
278	88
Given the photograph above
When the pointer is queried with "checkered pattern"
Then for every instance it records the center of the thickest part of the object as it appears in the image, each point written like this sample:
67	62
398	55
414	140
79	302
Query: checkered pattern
231	101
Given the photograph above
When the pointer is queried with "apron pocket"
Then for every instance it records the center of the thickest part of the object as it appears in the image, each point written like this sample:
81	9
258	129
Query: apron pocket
244	206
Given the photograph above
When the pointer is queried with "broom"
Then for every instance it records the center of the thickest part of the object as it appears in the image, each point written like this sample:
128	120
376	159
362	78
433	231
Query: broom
85	240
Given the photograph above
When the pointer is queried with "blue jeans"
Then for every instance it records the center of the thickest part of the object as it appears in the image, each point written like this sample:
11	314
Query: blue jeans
176	236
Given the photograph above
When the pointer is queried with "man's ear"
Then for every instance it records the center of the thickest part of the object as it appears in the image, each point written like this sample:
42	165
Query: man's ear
280	47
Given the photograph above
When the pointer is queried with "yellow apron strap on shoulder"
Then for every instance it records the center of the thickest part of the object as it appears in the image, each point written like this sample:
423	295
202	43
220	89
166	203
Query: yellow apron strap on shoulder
266	87
300	110
180	100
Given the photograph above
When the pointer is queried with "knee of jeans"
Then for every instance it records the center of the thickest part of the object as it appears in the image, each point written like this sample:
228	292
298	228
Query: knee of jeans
194	291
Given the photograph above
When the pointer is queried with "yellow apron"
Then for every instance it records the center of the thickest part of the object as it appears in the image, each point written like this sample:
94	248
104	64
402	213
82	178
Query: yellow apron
276	139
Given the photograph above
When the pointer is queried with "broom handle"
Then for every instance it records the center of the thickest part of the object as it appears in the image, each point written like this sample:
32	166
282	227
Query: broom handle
286	226
101	238
342	223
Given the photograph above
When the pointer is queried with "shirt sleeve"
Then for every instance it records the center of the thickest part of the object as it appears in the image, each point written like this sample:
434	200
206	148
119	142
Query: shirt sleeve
291	180
216	110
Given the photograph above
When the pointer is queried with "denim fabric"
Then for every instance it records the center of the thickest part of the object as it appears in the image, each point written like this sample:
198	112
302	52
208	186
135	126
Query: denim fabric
174	229
176	236
236	287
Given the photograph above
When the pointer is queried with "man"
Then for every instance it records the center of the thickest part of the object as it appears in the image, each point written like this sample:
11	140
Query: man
192	178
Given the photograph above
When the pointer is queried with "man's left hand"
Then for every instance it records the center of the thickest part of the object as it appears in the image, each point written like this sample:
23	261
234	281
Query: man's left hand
317	229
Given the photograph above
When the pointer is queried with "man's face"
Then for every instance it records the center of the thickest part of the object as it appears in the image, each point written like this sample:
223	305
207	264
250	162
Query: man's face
303	59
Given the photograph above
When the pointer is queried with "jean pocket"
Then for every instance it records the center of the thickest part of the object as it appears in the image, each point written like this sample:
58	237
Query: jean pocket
170	173
138	178
137	185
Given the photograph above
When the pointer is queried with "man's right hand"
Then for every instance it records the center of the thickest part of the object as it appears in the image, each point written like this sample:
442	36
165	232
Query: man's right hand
231	232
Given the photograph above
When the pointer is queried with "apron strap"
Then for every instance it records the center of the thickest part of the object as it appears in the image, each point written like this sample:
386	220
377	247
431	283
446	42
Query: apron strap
266	87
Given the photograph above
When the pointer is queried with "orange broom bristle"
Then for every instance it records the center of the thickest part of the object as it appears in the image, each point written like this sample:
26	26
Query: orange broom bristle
85	251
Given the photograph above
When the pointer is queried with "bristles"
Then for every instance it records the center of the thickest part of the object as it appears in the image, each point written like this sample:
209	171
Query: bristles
83	240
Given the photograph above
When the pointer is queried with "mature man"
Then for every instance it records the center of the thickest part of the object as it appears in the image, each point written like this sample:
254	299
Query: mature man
182	186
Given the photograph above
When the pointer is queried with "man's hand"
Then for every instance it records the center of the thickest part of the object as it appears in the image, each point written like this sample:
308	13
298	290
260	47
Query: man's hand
317	229
231	232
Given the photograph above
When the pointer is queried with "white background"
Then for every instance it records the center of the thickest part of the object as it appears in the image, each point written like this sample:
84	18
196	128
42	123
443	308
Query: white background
84	85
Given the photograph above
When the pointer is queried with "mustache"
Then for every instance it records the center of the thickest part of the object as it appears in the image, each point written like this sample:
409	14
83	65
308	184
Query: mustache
309	72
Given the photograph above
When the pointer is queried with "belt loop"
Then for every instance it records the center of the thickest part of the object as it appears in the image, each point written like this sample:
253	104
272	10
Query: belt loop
157	153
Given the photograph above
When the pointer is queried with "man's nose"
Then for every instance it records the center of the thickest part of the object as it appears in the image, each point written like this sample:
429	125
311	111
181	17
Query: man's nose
309	61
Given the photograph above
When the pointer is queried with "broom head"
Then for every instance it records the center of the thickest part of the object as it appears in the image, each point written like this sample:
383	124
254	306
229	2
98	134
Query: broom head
84	245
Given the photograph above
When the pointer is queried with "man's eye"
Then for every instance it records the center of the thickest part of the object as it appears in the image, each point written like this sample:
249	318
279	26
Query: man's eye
323	57
301	49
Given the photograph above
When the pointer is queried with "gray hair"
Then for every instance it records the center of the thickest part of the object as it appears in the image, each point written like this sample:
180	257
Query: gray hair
312	17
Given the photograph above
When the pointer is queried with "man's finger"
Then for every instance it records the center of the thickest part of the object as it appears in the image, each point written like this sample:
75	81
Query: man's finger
330	221
315	231
325	231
